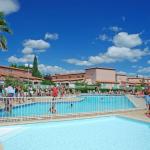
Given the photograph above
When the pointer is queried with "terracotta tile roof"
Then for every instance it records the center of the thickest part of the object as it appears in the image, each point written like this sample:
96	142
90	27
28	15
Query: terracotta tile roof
19	76
13	68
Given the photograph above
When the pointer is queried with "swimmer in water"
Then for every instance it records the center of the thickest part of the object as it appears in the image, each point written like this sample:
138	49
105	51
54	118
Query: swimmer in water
71	105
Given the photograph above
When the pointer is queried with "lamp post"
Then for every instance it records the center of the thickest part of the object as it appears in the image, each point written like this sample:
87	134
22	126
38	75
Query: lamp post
28	66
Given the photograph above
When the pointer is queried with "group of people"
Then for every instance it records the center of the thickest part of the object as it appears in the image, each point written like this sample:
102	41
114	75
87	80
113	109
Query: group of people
30	91
11	91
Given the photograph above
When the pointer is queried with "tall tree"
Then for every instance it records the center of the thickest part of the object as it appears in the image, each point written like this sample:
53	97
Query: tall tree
3	29
35	70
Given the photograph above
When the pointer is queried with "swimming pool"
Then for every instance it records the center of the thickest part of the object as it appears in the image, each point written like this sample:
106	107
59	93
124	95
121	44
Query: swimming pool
105	133
102	103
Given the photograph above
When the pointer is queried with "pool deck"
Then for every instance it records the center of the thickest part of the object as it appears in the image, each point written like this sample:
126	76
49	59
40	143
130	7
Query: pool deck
138	114
139	102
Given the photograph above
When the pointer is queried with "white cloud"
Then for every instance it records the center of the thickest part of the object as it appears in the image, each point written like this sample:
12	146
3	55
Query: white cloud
119	53
148	61
112	55
13	59
51	36
103	37
9	6
144	70
123	39
115	28
46	69
78	62
140	76
24	59
36	44
27	50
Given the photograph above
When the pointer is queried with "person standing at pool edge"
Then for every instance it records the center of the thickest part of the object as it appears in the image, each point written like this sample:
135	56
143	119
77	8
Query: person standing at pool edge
54	94
54	91
147	99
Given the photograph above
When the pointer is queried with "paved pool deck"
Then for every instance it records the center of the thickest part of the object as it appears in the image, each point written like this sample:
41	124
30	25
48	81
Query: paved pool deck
138	101
138	114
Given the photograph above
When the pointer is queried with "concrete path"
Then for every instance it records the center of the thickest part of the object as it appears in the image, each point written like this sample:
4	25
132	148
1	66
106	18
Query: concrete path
139	102
137	114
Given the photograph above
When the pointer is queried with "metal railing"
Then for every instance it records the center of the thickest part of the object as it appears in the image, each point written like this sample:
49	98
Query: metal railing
14	109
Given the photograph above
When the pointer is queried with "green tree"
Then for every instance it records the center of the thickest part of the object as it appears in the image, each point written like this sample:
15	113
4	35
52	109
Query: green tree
80	83
13	82
47	82
3	29
13	65
21	67
35	70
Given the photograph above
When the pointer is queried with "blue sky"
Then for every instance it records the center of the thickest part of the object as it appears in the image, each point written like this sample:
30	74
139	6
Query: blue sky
71	35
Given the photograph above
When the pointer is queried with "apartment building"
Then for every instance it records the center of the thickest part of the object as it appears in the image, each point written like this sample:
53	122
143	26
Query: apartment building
107	77
19	74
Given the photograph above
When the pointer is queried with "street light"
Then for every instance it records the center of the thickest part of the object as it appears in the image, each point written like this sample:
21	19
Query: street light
28	66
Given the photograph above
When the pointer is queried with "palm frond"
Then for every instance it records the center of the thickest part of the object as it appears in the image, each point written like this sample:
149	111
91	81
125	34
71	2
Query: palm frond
3	42
3	22
5	29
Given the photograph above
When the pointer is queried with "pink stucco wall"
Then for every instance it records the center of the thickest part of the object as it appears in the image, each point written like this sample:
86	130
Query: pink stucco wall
12	71
104	75
91	74
101	75
147	80
134	80
121	78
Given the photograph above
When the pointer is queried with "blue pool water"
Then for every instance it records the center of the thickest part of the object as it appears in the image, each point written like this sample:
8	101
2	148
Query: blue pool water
107	133
87	104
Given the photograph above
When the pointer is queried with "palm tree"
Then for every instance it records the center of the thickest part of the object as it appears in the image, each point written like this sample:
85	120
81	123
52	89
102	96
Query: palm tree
3	29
